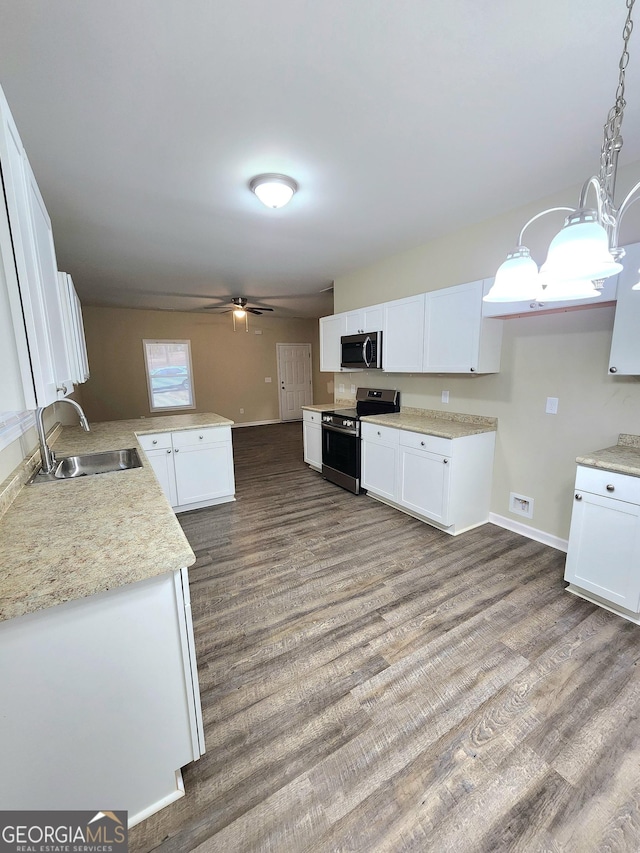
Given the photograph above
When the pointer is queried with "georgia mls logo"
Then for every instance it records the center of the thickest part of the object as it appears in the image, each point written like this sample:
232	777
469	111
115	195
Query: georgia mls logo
63	832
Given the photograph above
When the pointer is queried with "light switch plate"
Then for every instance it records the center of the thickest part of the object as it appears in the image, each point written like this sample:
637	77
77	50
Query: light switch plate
267	379
445	396
552	406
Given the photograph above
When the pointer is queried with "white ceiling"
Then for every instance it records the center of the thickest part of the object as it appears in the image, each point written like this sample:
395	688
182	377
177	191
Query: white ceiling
400	120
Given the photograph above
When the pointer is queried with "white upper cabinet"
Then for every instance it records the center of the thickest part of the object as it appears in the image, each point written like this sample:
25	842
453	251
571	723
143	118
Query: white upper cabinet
29	280
534	306
73	329
365	320
457	338
403	337
331	330
625	350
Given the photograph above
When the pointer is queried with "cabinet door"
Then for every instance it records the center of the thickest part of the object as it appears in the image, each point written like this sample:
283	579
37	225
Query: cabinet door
30	274
369	319
331	330
452	329
312	442
162	464
624	358
80	343
403	338
203	473
604	549
425	483
380	469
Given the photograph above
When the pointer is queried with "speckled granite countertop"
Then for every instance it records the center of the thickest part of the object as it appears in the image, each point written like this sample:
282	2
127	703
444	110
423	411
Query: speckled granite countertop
432	422
321	407
623	457
70	539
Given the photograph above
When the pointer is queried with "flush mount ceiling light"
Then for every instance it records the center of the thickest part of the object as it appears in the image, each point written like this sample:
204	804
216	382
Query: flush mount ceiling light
273	190
586	249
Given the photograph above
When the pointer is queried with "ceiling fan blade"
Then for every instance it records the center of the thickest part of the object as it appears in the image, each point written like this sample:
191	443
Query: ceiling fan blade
262	308
252	311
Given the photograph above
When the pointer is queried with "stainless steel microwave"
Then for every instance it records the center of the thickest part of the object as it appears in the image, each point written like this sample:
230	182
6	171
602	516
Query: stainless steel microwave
362	351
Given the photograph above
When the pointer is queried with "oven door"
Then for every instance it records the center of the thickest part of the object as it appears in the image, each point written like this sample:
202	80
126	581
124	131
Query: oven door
341	457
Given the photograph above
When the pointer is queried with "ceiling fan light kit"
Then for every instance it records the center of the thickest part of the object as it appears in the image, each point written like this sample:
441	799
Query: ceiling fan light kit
585	251
272	189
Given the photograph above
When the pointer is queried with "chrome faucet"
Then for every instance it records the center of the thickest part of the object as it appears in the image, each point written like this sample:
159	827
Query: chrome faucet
47	456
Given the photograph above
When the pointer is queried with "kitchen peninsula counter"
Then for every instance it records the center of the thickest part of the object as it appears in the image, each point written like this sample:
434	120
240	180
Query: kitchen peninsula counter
70	539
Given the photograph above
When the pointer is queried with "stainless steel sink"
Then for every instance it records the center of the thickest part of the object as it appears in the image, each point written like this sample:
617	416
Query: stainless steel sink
88	464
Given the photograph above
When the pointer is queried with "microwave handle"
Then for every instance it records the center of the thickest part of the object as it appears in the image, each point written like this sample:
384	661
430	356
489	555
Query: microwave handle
366	343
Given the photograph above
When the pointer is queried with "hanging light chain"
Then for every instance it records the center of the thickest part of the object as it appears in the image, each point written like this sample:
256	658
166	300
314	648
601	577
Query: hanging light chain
612	142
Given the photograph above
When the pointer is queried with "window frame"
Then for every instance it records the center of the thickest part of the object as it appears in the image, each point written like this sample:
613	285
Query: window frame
163	342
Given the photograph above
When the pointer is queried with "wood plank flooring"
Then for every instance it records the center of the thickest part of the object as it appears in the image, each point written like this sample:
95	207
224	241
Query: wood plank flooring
372	684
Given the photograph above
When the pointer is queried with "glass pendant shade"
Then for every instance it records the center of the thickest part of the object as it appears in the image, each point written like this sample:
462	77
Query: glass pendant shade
240	313
579	252
516	279
273	190
565	291
636	286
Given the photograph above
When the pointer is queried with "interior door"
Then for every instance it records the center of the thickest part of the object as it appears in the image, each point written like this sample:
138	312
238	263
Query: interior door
294	377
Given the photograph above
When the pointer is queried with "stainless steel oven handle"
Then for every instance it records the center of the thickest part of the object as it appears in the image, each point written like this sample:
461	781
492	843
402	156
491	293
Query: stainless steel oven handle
343	430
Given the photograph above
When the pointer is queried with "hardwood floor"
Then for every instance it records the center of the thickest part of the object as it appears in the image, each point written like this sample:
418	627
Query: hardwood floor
372	684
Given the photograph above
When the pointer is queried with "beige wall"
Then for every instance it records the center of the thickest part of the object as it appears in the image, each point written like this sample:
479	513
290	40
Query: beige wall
563	355
229	367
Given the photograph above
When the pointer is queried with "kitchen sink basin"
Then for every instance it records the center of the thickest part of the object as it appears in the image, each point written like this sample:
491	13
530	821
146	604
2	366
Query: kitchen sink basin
88	464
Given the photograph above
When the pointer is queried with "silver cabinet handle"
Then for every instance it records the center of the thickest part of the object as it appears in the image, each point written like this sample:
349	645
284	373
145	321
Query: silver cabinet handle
613	370
472	369
169	451
379	433
62	388
578	497
200	437
155	441
610	488
177	449
445	461
422	444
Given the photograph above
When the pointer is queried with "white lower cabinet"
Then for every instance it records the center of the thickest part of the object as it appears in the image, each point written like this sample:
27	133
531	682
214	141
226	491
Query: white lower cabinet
194	466
446	482
379	460
100	700
425	482
603	557
312	438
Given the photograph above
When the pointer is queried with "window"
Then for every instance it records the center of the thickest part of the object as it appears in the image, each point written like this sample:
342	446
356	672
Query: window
169	375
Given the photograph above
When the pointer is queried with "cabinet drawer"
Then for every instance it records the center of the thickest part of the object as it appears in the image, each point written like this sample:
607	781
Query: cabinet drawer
311	417
206	435
157	441
431	443
609	484
375	432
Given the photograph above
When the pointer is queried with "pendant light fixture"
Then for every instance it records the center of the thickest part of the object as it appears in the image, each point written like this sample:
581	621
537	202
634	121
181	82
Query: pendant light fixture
585	251
273	190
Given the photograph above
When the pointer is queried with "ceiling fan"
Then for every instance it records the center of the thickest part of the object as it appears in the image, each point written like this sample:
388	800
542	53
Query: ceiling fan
240	307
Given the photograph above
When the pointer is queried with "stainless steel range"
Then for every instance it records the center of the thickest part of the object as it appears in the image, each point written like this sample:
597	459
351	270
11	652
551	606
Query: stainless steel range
341	435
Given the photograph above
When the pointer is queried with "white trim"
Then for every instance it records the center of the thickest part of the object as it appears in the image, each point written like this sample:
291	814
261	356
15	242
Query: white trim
160	804
13	425
530	532
153	409
262	423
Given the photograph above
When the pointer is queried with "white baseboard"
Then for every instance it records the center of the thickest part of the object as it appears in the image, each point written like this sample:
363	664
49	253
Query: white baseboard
257	423
529	532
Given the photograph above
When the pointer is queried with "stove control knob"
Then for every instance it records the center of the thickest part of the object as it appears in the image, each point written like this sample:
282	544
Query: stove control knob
347	423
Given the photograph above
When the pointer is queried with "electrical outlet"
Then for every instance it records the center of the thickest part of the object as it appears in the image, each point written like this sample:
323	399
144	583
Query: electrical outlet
353	389
521	505
242	411
445	396
257	331
267	379
552	406
341	388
